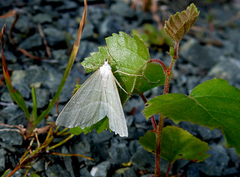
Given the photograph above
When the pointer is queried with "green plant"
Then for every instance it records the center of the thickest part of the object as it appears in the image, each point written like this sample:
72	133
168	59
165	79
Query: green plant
214	103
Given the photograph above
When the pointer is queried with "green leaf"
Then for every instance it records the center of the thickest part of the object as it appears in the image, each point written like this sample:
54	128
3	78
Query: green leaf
34	175
176	144
214	104
142	35
76	130
180	144
129	54
148	141
179	24
154	76
18	98
99	127
34	110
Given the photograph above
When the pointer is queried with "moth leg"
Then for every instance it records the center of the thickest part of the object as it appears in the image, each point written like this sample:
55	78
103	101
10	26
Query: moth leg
121	86
126	73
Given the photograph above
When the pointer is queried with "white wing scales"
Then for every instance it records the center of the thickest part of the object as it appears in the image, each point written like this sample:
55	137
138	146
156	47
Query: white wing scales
92	102
115	113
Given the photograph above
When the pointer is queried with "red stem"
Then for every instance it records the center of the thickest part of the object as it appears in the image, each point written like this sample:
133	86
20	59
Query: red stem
168	170
161	121
145	101
158	146
176	50
160	62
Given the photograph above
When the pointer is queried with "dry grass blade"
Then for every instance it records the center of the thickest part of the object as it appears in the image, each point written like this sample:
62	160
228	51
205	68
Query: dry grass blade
5	70
80	30
1	83
70	155
44	41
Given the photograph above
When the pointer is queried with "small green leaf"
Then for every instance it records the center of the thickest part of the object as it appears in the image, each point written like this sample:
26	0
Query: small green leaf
142	35
34	175
214	104
154	76
176	144
18	98
99	127
76	88
179	24
76	130
180	144
148	141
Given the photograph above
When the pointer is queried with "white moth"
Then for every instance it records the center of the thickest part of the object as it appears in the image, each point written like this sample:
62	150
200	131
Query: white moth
96	98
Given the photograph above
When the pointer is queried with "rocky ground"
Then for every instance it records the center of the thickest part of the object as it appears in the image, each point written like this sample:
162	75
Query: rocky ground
206	52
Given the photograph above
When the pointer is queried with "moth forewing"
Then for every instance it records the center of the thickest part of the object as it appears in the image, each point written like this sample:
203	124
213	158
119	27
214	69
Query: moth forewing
83	106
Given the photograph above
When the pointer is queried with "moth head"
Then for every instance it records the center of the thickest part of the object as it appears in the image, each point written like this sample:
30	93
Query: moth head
105	61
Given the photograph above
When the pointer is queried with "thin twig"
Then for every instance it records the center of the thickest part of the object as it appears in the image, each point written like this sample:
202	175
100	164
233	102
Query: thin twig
145	101
168	170
70	155
44	41
62	142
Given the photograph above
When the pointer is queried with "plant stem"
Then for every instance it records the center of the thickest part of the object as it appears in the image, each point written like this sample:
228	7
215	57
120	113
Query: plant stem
176	50
168	170
60	143
145	101
161	120
158	145
30	128
159	62
14	170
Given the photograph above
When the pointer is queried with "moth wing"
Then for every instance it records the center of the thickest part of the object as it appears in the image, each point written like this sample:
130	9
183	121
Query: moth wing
85	108
117	121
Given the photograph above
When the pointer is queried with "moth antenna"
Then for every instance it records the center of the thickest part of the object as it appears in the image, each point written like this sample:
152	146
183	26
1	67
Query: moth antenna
109	55
93	67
